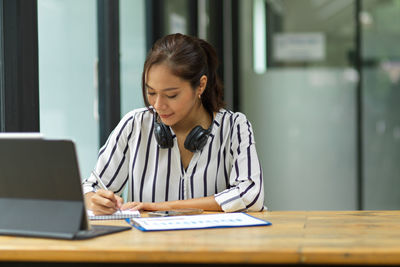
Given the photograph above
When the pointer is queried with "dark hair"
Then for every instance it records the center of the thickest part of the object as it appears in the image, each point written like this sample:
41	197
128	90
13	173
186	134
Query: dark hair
188	58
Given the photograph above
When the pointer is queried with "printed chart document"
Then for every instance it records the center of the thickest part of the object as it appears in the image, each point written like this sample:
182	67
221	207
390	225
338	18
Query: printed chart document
118	215
220	220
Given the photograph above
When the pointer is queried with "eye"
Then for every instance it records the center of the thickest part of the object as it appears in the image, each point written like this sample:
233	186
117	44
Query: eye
171	96
151	94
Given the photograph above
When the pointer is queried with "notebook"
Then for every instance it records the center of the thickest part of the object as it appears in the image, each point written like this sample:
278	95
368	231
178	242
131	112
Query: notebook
119	215
41	192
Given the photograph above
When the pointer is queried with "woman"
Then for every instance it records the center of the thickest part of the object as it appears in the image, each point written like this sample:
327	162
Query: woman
184	150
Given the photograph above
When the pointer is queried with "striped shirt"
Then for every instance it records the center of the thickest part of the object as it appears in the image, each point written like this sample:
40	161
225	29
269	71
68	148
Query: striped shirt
227	166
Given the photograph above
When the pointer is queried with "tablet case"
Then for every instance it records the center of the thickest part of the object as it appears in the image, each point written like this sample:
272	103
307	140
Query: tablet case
41	192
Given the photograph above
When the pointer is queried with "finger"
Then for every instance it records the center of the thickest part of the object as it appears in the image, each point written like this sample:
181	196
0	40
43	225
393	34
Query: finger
105	193
100	200
120	201
129	205
103	211
98	209
139	206
111	196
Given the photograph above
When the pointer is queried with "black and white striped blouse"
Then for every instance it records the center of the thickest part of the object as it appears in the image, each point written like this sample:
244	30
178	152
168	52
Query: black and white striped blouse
227	167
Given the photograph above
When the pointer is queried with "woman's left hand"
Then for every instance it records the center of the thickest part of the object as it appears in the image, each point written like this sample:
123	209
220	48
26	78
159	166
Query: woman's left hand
135	206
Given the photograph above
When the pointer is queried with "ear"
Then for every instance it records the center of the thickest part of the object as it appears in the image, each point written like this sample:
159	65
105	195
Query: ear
202	85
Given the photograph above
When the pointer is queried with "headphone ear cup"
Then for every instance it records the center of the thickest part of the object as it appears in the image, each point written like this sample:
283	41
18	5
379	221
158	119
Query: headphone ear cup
196	139
163	135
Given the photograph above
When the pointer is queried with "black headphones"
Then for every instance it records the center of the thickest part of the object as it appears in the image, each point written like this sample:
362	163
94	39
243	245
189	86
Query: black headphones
195	141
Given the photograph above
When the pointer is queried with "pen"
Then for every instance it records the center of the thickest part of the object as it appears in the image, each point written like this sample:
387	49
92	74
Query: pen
100	182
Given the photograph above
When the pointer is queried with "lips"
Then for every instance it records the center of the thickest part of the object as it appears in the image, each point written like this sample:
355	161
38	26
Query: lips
165	116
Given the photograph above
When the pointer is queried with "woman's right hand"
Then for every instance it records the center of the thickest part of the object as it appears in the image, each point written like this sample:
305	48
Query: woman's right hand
103	202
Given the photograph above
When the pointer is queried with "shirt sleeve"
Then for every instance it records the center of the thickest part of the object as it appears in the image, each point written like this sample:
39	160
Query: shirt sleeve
246	192
113	159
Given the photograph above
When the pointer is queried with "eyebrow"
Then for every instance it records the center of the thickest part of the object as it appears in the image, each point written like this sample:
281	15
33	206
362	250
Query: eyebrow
165	89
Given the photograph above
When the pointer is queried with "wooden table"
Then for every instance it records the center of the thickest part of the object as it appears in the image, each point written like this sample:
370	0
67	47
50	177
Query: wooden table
295	237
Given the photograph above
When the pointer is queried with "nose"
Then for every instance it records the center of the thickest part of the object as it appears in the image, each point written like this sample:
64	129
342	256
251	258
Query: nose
159	103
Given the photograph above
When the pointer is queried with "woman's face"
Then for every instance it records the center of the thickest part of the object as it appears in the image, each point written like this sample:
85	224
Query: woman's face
173	98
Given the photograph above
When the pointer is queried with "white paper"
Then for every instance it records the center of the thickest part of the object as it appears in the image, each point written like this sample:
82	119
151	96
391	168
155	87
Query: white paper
219	220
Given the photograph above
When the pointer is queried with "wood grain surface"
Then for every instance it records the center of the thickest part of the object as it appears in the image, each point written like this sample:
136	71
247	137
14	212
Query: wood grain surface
317	237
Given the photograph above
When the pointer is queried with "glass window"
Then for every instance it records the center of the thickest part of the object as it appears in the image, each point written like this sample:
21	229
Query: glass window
302	106
67	56
380	21
176	16
133	53
310	33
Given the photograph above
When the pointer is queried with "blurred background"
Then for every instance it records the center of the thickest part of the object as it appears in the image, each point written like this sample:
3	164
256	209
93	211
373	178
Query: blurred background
318	79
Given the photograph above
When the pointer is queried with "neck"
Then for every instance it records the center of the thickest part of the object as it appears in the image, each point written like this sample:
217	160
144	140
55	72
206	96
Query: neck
198	116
